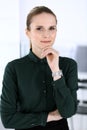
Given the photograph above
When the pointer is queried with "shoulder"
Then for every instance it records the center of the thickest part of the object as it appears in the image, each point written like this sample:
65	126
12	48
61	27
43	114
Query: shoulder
67	63
17	62
69	67
67	60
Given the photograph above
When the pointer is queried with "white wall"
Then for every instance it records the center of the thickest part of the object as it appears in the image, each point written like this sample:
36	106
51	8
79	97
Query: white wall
9	36
9	33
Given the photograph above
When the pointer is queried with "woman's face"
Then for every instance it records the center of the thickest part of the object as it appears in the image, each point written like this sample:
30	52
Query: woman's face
42	31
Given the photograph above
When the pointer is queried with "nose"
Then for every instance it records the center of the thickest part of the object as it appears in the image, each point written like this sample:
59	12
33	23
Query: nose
46	33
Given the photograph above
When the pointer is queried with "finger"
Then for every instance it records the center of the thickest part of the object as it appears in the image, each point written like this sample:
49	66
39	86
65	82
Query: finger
46	52
49	51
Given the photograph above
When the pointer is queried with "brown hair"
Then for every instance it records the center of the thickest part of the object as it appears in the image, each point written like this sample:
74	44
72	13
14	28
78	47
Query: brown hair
35	11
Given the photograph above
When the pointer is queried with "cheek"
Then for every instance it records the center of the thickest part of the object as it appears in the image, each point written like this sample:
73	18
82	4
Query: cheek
35	37
54	36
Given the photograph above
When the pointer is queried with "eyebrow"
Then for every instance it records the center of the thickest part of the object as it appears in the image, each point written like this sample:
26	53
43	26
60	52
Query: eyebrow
49	26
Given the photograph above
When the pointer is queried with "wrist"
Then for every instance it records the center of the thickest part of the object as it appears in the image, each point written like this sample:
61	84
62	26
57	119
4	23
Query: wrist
57	73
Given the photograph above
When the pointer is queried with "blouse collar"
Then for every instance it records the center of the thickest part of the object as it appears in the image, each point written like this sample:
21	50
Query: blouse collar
33	57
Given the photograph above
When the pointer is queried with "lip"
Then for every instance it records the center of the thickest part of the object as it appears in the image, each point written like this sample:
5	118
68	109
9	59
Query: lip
45	41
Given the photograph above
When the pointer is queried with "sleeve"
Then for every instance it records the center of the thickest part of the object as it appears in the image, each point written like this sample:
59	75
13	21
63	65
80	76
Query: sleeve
11	117
65	91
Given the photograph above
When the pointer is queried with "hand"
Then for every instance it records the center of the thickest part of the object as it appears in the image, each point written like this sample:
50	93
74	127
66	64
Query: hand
52	58
54	116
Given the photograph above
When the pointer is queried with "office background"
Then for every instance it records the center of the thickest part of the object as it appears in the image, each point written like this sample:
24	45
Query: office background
72	32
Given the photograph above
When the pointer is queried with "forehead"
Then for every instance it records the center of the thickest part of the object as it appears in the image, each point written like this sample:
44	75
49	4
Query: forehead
43	19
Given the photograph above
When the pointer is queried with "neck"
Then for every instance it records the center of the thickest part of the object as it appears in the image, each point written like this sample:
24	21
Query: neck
37	52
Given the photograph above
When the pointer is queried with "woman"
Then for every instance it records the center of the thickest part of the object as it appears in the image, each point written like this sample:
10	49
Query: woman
39	89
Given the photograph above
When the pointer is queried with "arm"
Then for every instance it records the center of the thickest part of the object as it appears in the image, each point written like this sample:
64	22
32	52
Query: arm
10	115
64	88
65	95
65	92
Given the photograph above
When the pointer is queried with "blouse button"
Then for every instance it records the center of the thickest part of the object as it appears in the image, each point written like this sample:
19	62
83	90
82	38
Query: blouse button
53	84
32	124
43	81
44	91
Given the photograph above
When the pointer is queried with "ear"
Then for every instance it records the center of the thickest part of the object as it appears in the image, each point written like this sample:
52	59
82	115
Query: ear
27	32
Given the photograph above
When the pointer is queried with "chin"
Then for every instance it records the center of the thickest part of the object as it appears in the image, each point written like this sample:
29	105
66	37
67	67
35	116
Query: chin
42	47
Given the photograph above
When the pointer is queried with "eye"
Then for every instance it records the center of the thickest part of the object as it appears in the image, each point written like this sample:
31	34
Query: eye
52	28
39	28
